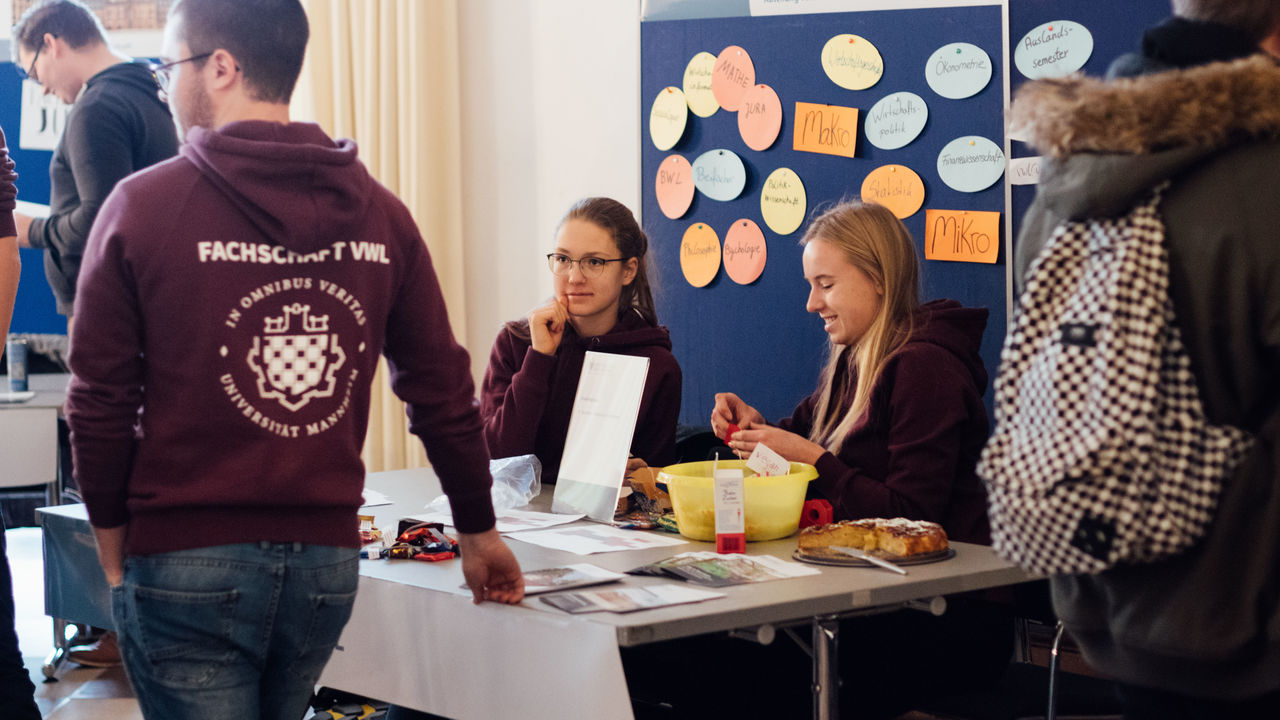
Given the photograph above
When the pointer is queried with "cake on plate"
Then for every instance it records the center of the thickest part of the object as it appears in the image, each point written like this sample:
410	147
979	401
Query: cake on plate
896	537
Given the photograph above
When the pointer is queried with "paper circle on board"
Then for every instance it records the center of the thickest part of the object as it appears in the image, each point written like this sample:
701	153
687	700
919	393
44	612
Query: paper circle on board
700	254
1053	49
668	117
732	76
674	186
697	85
958	70
719	174
896	187
744	251
759	117
852	62
782	201
896	120
971	163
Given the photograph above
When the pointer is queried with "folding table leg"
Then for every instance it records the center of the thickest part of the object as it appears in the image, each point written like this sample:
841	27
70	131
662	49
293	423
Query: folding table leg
826	667
59	654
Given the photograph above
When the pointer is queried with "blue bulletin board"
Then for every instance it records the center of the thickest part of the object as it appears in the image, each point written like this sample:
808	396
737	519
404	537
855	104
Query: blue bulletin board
757	339
34	311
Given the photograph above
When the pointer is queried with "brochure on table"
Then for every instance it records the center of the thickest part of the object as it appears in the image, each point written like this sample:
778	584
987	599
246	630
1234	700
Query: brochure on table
599	439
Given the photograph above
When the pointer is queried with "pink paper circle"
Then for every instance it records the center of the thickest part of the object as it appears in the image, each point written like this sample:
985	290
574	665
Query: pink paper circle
759	117
744	252
733	75
674	186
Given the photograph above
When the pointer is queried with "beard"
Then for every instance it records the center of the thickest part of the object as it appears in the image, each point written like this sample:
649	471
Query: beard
195	110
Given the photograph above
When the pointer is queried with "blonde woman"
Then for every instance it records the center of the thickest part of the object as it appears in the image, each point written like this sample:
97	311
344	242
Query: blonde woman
897	421
894	429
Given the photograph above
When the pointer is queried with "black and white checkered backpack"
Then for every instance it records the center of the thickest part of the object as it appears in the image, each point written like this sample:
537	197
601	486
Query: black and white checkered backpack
1101	454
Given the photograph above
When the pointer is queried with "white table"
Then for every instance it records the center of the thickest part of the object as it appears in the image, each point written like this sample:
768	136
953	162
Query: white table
416	641
29	435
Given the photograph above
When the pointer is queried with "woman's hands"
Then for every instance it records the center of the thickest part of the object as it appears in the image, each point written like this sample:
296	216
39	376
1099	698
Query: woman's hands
789	445
731	410
752	429
546	325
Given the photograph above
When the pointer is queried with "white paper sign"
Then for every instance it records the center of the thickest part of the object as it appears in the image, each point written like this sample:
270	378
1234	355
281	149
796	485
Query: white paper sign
767	462
599	438
1053	49
42	120
1025	171
971	163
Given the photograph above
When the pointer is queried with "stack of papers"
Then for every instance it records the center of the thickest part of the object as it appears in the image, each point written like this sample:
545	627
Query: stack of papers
627	599
715	570
570	576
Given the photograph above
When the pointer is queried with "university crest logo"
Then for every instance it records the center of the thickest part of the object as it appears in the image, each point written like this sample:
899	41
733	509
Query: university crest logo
296	357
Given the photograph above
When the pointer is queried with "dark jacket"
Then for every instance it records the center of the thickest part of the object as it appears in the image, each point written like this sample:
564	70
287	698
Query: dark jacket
915	453
226	339
1206	623
527	397
117	126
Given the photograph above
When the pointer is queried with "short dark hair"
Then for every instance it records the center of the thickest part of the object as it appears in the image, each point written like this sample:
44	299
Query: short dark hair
70	20
267	37
1258	18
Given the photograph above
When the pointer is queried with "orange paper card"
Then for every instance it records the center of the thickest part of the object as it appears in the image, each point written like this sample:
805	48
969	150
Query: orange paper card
827	129
962	235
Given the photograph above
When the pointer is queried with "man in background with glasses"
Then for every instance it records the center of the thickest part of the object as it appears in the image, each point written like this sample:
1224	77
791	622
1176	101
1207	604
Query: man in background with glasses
117	126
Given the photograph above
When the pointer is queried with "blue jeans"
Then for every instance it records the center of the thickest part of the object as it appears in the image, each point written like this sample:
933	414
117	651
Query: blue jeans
234	631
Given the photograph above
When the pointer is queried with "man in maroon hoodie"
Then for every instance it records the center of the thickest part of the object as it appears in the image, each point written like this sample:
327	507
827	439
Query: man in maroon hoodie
232	308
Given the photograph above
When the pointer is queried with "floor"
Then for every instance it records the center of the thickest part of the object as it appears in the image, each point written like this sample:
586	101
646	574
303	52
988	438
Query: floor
79	693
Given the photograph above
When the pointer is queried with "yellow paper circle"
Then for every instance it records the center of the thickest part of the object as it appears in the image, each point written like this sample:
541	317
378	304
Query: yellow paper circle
733	75
896	187
697	85
782	201
852	62
700	254
668	117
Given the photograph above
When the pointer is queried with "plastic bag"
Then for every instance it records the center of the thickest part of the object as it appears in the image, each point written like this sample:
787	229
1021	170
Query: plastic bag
516	481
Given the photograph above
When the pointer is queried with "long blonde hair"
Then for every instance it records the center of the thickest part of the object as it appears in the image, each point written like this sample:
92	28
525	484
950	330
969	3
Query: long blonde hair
877	243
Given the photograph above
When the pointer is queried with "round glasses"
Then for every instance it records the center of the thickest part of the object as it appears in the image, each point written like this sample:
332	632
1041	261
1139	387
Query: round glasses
591	267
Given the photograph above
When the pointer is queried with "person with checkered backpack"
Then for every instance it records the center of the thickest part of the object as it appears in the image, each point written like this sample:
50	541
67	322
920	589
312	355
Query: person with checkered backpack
1157	202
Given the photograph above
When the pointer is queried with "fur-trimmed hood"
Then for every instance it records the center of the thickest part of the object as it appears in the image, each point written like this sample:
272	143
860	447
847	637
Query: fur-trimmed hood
1208	107
1108	142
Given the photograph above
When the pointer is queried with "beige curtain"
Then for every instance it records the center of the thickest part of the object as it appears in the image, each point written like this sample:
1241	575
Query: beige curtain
385	73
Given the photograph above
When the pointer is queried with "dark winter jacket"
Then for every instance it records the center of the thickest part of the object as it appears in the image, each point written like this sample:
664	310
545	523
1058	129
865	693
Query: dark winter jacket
1206	623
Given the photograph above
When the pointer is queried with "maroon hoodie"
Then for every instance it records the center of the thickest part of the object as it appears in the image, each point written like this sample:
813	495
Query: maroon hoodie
527	397
8	190
914	454
233	303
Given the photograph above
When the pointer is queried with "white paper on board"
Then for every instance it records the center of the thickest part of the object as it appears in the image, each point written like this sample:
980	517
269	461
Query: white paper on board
1025	171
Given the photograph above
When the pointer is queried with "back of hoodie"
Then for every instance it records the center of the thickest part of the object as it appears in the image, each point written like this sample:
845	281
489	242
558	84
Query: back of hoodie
232	308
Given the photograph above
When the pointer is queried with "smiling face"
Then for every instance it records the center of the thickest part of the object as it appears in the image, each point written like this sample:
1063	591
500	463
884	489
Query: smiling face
592	301
845	297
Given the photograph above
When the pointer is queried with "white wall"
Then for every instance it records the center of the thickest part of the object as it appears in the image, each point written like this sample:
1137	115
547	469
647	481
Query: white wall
551	108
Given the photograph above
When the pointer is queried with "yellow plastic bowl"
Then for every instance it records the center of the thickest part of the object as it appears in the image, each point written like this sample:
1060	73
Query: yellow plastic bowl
773	503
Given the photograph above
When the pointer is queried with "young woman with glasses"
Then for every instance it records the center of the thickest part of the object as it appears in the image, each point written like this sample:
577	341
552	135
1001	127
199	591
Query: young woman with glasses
602	303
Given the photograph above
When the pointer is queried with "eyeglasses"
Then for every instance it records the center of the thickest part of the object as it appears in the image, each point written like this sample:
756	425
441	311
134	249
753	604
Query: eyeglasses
30	72
591	267
162	73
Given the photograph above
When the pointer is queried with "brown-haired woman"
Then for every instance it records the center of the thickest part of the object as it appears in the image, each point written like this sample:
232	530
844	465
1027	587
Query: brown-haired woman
602	303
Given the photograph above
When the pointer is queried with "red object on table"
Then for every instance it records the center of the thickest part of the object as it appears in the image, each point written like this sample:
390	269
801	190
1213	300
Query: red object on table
815	512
